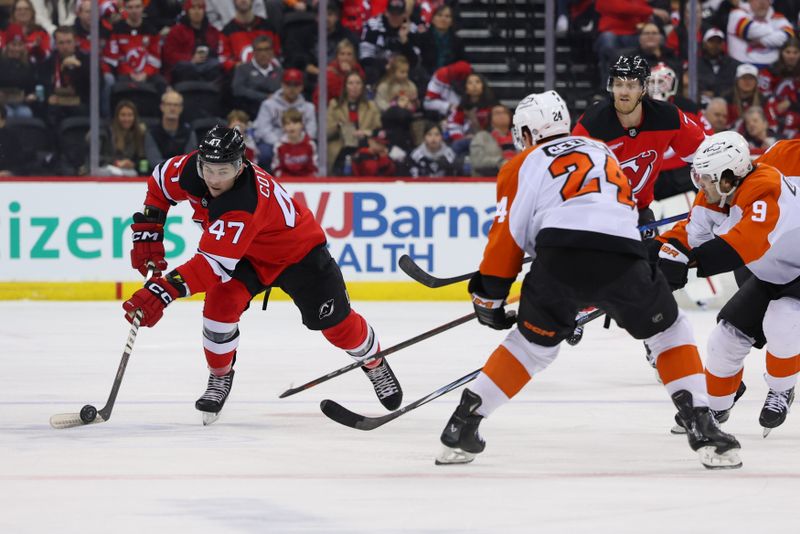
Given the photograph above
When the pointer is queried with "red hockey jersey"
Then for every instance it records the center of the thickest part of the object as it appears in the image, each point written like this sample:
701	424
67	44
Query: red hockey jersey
240	39
132	50
641	150
295	159
256	220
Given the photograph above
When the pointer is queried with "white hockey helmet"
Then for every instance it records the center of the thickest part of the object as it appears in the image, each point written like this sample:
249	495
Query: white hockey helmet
723	151
663	83
544	114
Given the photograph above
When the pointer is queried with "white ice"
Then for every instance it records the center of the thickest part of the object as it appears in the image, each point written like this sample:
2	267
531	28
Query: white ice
584	448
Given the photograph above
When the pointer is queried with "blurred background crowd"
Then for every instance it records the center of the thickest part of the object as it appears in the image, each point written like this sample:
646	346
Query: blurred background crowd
419	88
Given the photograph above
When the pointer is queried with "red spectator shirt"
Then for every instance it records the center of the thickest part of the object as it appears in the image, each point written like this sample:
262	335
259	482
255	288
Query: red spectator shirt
240	39
368	163
256	220
295	159
133	50
641	150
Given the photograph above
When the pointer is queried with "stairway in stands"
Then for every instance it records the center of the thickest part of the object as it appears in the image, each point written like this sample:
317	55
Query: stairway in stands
504	39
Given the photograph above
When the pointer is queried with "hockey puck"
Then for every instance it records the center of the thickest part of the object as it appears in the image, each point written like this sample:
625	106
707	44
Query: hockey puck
88	413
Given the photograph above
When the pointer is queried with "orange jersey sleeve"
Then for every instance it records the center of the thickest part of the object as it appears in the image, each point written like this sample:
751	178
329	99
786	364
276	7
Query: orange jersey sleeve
502	256
784	156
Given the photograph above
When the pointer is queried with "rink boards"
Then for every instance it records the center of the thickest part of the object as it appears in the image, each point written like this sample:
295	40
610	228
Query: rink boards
69	238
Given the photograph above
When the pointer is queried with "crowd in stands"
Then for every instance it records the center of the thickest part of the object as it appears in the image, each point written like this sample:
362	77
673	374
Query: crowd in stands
402	96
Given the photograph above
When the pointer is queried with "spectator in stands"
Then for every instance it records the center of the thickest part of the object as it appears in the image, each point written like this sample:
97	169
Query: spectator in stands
37	39
343	64
491	150
716	70
440	46
268	129
442	95
716	114
756	33
241	121
744	94
259	78
65	77
122	143
403	124
11	153
243	29
472	114
50	14
83	28
354	15
432	158
373	159
651	47
396	83
163	14
133	52
296	152
785	68
757	132
351	119
383	37
677	38
170	137
221	12
300	47
617	27
193	49
17	76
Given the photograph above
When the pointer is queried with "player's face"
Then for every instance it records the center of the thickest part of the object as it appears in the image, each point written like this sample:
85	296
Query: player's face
627	94
219	177
708	185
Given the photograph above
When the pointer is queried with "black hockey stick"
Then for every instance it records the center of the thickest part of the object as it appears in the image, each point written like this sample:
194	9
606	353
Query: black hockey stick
402	345
89	414
412	269
335	411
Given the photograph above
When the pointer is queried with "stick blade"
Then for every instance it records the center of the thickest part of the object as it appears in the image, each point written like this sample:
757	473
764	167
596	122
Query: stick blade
336	412
413	270
68	420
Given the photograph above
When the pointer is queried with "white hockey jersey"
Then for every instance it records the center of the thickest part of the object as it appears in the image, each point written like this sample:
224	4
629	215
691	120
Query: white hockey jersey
762	225
569	192
756	41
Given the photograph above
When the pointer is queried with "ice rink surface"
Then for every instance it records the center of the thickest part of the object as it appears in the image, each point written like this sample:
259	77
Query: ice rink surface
584	448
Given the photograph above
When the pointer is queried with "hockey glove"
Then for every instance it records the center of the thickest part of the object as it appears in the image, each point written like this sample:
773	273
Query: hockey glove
148	243
646	216
156	294
492	312
674	260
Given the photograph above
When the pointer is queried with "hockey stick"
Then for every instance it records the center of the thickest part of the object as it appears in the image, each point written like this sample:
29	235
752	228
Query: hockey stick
335	411
412	269
89	414
402	345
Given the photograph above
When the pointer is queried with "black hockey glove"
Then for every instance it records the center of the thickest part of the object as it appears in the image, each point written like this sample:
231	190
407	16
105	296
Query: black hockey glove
674	261
490	311
646	216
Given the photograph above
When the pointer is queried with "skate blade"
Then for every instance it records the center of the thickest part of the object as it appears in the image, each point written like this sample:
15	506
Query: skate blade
449	456
209	418
714	460
766	432
677	430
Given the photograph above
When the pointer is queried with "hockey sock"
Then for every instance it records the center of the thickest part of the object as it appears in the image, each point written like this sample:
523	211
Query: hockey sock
355	336
782	372
220	341
722	390
680	368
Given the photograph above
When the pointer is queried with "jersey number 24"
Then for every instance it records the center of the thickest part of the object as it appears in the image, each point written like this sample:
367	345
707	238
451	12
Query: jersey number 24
576	166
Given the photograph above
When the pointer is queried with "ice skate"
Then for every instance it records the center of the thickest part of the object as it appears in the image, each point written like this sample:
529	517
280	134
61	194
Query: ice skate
776	408
212	401
716	449
387	388
461	442
720	415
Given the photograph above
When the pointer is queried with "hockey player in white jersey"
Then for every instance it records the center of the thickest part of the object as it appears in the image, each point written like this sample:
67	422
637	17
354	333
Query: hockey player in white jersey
566	202
745	215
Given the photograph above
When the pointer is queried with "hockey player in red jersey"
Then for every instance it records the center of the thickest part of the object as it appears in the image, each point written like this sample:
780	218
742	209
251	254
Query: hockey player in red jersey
745	215
565	201
254	237
639	130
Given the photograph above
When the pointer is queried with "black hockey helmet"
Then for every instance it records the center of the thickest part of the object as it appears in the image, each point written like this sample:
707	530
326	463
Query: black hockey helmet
222	145
630	67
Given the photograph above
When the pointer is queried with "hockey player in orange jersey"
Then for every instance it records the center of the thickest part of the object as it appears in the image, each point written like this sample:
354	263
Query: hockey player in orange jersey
745	215
255	236
566	202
